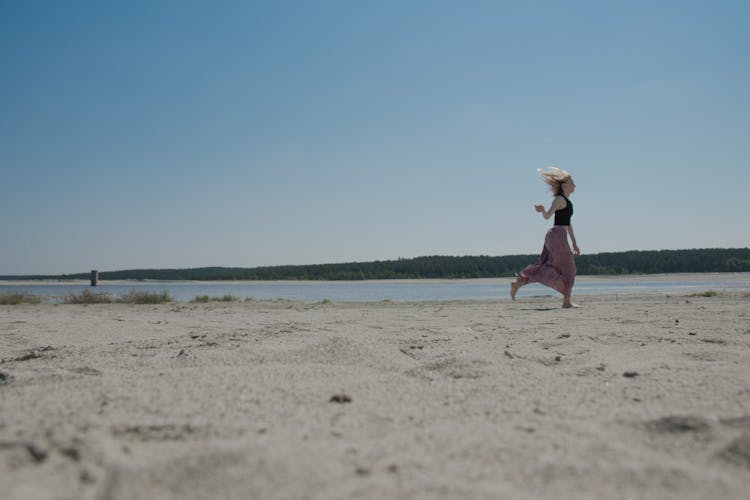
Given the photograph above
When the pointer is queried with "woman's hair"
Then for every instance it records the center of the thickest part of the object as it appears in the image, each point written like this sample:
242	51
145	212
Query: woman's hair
555	178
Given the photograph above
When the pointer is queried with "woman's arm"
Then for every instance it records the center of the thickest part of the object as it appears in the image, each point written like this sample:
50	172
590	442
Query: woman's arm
557	203
576	250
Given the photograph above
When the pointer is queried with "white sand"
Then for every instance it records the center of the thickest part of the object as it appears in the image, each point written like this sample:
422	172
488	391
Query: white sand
481	399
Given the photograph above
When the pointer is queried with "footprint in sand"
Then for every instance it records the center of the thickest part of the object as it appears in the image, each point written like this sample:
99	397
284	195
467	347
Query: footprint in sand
678	424
456	368
5	378
738	451
412	350
86	370
737	422
158	432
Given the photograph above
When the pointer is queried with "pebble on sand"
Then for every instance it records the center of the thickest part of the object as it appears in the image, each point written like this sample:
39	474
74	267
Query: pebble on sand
340	398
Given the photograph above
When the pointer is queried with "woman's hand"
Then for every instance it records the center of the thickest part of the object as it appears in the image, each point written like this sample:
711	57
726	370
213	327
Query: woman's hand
576	250
539	208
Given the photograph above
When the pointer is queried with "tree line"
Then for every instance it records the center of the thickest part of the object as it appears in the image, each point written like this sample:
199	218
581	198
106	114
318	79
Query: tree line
447	267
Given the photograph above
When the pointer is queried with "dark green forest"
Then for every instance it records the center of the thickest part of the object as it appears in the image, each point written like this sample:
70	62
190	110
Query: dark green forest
445	267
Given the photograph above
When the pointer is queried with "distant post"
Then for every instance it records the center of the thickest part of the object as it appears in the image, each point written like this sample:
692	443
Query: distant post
94	278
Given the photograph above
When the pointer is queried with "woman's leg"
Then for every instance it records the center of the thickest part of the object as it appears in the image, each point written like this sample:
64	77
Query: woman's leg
514	286
567	304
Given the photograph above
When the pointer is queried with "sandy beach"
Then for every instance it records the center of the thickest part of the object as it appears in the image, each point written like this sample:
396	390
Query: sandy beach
630	397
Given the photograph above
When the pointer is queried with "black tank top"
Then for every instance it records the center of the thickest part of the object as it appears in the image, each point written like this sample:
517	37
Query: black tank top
563	215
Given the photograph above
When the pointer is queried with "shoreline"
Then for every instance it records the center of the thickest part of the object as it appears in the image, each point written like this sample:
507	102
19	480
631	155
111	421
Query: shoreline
373	291
552	298
728	276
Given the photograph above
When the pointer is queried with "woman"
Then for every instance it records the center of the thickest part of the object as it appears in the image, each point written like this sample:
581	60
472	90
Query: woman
556	267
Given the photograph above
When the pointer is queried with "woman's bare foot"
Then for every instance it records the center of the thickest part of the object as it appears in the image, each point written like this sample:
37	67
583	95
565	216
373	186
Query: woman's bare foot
570	305
514	286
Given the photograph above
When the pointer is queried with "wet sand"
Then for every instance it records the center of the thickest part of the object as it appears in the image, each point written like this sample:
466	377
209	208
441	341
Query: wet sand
629	397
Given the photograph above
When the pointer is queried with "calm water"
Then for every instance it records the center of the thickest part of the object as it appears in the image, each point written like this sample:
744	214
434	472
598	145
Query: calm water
417	290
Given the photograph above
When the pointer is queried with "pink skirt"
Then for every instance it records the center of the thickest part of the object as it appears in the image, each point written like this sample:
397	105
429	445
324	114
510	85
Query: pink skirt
556	267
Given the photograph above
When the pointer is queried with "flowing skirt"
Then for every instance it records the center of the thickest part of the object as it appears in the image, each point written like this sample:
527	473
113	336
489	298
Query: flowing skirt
556	267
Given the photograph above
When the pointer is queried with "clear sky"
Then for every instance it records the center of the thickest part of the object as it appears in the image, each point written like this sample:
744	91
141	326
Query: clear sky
154	134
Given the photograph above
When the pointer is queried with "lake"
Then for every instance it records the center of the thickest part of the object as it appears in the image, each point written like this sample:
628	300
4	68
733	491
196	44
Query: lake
394	290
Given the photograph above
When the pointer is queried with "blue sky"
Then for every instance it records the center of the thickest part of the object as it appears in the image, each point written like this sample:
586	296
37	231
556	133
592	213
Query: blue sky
183	134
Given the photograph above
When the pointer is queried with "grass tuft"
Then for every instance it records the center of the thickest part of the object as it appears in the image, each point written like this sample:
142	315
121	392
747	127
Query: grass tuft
132	297
88	297
225	298
135	297
15	298
707	293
